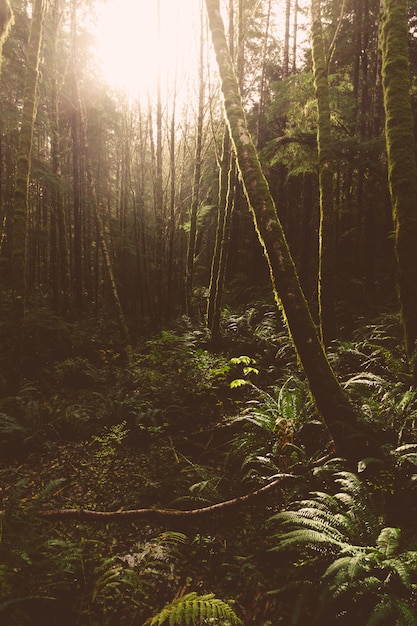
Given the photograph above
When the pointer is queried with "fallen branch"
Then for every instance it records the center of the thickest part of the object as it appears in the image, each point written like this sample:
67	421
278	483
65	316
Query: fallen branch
160	515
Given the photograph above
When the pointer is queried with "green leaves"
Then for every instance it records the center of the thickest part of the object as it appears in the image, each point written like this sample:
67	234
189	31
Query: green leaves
193	609
357	562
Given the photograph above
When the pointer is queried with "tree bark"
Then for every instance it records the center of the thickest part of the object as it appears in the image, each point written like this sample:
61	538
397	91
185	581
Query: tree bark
402	168
350	437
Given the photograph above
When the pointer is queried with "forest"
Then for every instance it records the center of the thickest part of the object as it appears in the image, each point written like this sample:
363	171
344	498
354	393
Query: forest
208	319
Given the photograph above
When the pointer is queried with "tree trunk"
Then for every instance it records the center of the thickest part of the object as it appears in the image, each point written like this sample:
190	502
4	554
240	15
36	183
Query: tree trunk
171	219
21	197
349	435
77	276
189	281
59	251
227	180
402	168
286	52
103	245
325	162
224	210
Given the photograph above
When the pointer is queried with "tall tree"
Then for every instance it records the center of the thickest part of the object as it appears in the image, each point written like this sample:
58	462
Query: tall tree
21	195
59	249
189	283
402	167
349	435
76	171
325	164
227	186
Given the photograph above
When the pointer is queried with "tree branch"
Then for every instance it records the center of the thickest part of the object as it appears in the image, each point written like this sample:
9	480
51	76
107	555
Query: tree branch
159	515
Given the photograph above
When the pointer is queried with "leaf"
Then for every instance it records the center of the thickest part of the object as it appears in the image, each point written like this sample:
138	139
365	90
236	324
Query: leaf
194	609
239	382
388	541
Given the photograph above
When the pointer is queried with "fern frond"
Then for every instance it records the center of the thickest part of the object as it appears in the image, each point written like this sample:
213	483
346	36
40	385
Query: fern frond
348	568
389	541
193	610
314	540
391	610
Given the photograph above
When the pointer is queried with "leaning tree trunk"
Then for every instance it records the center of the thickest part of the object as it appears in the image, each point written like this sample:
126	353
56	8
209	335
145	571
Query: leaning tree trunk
21	197
402	168
349	435
325	162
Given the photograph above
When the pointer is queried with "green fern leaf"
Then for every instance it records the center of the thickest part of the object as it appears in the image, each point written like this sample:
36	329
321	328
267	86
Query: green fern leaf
388	541
194	609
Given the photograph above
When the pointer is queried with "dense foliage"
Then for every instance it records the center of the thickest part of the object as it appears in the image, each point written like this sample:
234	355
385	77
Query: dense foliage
139	376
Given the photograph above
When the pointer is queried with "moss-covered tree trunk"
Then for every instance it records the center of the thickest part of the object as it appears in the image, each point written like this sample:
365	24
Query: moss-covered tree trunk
227	187
21	197
402	168
325	164
349	435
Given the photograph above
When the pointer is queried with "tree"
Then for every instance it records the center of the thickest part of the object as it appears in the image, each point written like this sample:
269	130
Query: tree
325	164
227	187
402	167
189	281
350	437
21	195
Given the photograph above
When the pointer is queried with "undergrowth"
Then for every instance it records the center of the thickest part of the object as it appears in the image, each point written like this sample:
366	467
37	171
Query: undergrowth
185	427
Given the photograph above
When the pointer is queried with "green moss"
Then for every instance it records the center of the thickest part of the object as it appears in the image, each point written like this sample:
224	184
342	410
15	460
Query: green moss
402	167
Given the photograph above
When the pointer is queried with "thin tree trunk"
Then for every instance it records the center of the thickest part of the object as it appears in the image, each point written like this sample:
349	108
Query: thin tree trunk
189	282
60	273
225	192
286	52
159	209
294	41
402	168
171	218
21	196
227	175
349	435
76	188
103	245
327	251
261	107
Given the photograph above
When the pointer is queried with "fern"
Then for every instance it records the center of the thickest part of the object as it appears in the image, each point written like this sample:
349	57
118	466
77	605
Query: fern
265	446
194	609
358	562
143	568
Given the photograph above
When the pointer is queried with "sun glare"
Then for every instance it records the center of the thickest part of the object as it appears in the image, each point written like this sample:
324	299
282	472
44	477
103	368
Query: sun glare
134	47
